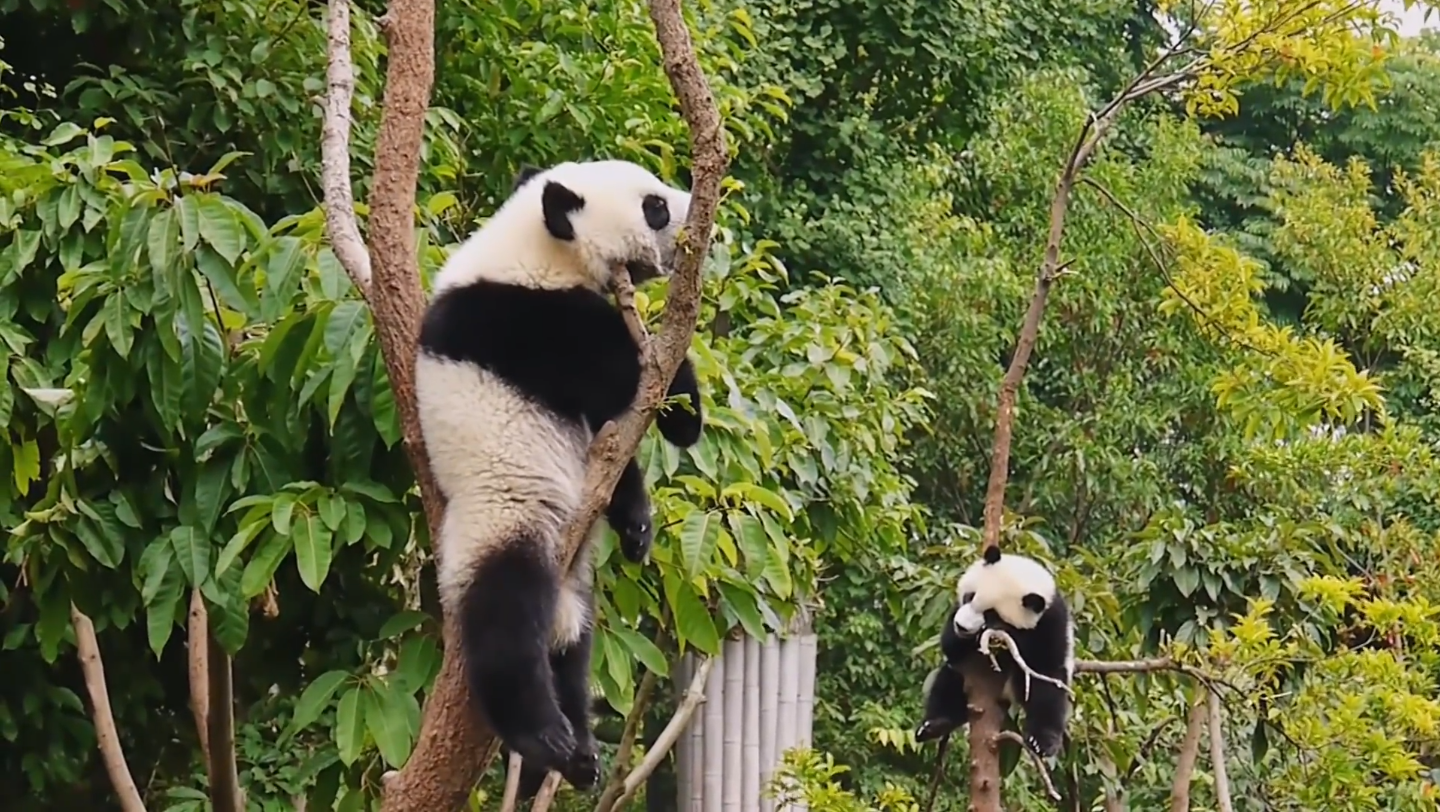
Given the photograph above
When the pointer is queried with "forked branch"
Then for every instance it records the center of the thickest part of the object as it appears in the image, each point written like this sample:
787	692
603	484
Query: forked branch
693	698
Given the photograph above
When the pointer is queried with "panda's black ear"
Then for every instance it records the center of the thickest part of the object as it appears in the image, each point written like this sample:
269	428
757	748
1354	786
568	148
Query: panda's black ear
1034	602
992	554
558	201
525	174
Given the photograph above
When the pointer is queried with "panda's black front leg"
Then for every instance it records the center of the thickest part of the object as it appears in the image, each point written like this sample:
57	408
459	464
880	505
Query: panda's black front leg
630	514
946	707
679	425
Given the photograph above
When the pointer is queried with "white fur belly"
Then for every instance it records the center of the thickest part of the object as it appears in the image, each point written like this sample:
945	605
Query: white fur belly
504	464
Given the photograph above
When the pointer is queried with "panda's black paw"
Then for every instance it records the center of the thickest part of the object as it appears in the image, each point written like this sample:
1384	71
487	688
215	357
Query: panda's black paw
931	729
549	749
582	769
1045	744
636	530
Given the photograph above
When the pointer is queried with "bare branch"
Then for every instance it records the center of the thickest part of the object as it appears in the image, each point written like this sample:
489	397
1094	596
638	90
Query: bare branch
88	649
621	767
989	636
198	644
220	721
512	783
1217	754
1185	763
1011	735
694	696
546	795
340	223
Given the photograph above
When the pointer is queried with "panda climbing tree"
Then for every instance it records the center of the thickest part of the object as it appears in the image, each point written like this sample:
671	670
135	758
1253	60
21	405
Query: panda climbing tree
522	358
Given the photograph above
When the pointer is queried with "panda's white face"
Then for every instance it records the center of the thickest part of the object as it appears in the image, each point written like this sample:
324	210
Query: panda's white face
574	224
1017	588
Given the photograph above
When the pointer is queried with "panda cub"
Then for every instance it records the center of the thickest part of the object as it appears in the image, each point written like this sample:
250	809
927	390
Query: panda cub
1017	595
521	358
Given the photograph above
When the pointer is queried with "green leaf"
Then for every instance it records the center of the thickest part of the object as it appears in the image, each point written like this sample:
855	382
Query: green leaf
332	510
160	612
219	227
229	612
26	464
349	732
211	485
699	533
692	620
281	512
154	564
385	718
401	622
192	552
163	245
372	490
107	549
237	545
643	650
117	324
417	664
746	607
346	316
313	550
225	280
353	528
313	701
753	542
263	564
283	272
187	211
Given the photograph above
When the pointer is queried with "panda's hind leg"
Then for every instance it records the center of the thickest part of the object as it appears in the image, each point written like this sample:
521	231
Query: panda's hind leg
570	663
506	610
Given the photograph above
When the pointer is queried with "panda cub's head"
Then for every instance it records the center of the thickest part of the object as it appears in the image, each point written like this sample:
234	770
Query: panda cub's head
572	225
1011	588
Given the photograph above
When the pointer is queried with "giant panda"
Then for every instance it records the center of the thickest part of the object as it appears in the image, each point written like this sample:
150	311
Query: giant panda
1017	595
521	358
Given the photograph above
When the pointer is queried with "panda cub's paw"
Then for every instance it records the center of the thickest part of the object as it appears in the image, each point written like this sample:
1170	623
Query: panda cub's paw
551	748
582	769
636	529
933	729
1046	744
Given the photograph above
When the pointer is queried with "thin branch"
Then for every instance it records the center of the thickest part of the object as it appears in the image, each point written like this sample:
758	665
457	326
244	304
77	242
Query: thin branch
512	783
989	636
1011	735
1189	752
224	775
621	767
198	645
340	223
1217	754
693	698
106	736
546	795
938	772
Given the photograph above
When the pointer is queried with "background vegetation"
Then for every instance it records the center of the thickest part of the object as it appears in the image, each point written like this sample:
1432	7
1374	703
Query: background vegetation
1226	441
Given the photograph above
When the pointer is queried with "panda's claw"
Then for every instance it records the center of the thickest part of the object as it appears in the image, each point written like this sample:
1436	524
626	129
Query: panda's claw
582	769
933	729
636	534
1046	746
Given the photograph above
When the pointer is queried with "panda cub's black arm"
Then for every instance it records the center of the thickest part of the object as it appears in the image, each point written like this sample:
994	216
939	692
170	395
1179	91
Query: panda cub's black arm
680	423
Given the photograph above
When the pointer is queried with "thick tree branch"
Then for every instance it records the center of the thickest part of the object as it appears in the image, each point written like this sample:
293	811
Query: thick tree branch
694	696
1217	754
220	724
198	644
1189	752
88	649
340	222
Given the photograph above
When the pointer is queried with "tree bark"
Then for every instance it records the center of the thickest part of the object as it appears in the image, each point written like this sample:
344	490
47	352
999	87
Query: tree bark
88	649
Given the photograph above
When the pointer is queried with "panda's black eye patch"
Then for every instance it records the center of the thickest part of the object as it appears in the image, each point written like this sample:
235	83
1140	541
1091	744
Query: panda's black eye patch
967	597
657	211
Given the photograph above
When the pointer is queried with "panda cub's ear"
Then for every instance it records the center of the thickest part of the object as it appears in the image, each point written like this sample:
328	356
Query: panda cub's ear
558	202
524	175
1034	602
